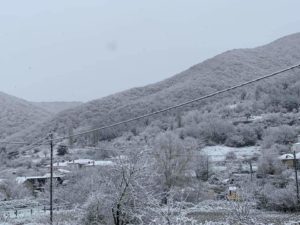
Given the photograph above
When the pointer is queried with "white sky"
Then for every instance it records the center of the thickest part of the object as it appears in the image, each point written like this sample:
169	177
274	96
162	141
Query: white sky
55	50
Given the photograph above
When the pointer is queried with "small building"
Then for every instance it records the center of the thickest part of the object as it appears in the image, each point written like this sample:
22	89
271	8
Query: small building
288	160
37	183
232	194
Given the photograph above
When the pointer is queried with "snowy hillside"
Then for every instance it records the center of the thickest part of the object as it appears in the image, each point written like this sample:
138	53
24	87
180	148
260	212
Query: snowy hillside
231	67
17	114
56	107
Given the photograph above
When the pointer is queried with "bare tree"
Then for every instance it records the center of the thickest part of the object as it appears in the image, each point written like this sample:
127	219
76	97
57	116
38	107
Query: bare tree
242	209
171	160
122	198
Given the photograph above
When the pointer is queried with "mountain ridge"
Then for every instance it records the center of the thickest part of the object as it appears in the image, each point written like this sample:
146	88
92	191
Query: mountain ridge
17	114
57	106
224	70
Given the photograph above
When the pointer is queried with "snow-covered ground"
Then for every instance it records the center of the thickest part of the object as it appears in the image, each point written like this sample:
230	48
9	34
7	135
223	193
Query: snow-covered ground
208	212
219	152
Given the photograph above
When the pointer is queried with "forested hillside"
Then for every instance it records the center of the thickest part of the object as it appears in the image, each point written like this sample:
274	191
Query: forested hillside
221	71
56	107
17	115
227	155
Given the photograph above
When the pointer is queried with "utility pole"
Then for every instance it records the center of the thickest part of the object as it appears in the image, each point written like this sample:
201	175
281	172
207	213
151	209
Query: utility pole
51	178
207	168
251	169
296	176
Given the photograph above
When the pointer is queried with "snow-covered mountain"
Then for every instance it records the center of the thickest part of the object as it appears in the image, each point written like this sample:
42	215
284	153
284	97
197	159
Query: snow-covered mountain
17	115
56	107
224	70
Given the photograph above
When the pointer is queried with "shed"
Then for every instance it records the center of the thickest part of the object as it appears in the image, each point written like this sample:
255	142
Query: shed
288	160
232	194
37	183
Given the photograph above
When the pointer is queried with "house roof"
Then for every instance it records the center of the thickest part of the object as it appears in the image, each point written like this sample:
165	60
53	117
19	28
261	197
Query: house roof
63	171
286	156
86	162
232	188
21	180
289	156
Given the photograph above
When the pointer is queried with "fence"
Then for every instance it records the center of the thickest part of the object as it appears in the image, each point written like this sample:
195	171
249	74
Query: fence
17	212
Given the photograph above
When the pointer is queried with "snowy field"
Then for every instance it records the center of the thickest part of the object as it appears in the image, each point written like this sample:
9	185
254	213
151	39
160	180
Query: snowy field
206	213
219	152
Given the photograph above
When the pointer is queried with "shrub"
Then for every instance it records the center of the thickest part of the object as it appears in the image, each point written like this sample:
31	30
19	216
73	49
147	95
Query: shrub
216	131
242	136
11	190
269	164
231	156
283	135
62	150
281	199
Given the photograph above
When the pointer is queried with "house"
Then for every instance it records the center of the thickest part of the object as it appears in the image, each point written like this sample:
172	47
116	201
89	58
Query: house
288	160
37	183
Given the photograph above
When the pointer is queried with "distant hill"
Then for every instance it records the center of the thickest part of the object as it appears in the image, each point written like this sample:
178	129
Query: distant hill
56	107
17	115
224	70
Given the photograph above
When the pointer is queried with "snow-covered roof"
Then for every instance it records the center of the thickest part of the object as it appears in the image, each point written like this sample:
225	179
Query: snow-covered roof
232	188
21	180
286	156
85	162
103	163
63	171
289	156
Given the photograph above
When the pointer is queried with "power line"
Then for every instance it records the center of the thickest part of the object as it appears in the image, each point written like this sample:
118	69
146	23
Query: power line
37	143
14	143
179	105
40	142
24	143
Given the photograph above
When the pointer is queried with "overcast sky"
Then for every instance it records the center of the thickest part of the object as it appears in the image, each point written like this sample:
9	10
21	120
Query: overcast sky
55	50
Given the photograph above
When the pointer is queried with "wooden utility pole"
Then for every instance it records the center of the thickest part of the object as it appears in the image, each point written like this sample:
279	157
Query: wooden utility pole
207	168
51	178
296	176
251	170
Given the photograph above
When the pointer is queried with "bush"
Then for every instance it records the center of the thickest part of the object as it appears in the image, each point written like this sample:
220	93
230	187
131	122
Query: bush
280	199
202	169
94	213
216	131
269	164
192	131
283	135
62	150
11	190
242	136
231	156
